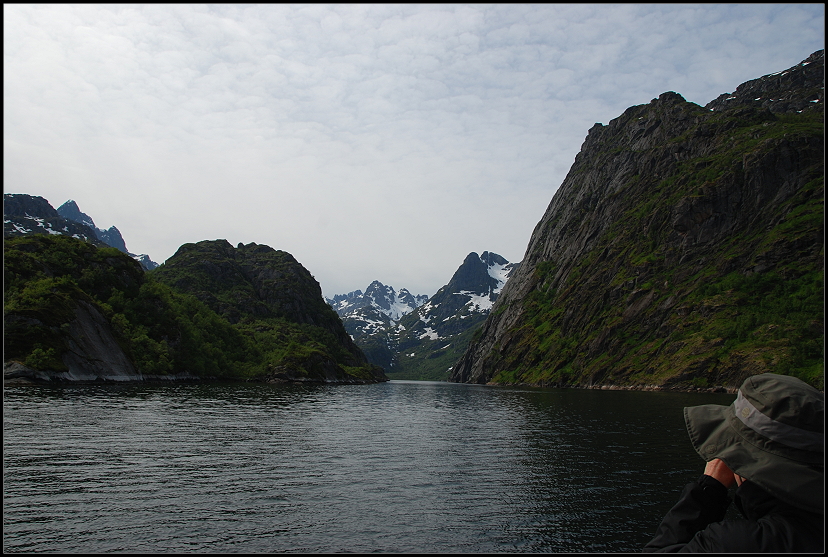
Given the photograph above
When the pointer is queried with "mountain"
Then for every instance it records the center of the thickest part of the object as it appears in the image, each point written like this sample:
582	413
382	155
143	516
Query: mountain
380	298
27	214
427	341
370	317
74	311
111	236
684	249
272	298
416	337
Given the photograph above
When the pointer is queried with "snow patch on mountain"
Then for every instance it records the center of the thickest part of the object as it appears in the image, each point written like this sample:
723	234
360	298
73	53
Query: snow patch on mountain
479	302
430	334
376	298
500	272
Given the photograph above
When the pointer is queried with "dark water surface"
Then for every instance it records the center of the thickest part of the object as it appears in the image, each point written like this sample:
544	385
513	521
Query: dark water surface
395	467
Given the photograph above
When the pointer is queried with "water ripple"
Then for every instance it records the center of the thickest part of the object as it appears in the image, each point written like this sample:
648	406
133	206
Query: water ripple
396	467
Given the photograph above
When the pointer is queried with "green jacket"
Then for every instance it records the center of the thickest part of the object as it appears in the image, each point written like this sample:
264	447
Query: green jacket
696	523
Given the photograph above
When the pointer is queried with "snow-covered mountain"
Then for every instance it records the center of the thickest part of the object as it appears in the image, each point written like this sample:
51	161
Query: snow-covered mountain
412	337
433	337
28	214
111	236
472	290
370	316
380	298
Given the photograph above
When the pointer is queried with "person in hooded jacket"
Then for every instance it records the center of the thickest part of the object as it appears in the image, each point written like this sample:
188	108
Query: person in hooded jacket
770	443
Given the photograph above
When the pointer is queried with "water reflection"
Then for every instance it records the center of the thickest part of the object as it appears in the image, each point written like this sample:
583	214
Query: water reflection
395	467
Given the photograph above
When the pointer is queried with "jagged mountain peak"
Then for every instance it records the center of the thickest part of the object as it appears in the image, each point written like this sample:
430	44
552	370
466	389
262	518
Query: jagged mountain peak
479	276
378	298
70	210
28	214
25	214
418	336
472	290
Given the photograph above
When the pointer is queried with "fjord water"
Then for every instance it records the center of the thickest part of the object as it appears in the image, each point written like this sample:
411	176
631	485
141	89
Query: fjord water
393	467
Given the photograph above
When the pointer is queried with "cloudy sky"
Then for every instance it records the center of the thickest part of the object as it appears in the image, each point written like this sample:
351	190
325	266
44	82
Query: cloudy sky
373	142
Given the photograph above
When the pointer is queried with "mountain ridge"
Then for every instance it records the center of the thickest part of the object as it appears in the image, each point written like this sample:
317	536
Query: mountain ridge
79	311
424	342
672	249
29	214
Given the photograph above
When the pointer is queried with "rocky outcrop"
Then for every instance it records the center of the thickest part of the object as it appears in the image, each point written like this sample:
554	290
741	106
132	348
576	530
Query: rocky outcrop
93	353
662	257
30	214
111	236
255	283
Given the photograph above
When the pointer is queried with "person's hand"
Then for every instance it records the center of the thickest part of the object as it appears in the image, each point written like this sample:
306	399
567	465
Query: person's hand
718	470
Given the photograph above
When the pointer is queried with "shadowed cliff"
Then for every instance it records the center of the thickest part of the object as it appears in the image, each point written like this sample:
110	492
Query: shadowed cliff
683	249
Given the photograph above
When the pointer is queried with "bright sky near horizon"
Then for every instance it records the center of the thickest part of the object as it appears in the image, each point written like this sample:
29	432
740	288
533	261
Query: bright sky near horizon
373	142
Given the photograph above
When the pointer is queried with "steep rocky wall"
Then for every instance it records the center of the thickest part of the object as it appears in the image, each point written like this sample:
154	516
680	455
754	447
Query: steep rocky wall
625	277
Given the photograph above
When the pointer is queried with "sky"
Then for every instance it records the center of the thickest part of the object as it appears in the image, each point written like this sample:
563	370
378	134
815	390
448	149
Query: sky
372	142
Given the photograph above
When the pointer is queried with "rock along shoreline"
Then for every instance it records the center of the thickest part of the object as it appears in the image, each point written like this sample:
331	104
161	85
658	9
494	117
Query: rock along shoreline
16	374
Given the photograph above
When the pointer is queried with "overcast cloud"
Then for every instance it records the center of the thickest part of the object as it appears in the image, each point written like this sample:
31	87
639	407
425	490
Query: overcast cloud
370	141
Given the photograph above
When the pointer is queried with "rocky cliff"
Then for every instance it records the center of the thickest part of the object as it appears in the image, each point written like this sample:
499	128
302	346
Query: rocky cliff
428	341
268	294
683	249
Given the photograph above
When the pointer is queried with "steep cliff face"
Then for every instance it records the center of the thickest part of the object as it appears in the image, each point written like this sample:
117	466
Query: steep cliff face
684	248
428	341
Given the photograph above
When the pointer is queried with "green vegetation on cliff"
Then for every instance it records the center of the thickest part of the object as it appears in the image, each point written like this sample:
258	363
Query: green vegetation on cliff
431	360
684	249
276	303
163	331
719	315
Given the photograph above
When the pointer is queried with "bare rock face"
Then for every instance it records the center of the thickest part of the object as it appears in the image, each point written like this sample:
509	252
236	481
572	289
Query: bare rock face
662	252
94	353
30	214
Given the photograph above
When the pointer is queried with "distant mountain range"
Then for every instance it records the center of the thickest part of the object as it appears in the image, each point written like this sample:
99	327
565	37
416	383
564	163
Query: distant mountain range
416	337
377	298
25	214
